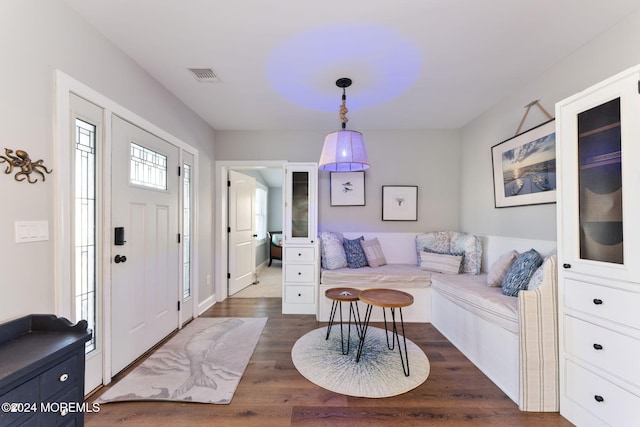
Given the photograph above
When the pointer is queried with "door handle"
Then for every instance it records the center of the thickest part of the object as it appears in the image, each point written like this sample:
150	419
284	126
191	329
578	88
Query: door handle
119	258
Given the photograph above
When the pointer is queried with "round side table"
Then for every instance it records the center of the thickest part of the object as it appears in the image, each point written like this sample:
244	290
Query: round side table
338	296
391	299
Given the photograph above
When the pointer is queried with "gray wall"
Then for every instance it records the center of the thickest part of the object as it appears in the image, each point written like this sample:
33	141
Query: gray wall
612	52
426	158
37	37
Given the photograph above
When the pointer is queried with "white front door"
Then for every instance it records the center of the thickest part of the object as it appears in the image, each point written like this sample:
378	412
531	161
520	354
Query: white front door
145	266
242	248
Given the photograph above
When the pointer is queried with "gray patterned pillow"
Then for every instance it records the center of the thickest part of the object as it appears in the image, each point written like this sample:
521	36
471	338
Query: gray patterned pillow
471	245
354	253
520	272
333	255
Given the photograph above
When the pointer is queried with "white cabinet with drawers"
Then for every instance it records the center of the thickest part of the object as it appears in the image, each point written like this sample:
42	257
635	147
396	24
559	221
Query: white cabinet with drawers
598	159
300	247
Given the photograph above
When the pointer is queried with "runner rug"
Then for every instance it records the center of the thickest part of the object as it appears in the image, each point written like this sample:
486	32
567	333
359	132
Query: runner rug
378	373
202	363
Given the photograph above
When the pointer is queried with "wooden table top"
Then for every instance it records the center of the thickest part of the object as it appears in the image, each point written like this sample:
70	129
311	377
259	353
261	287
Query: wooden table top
342	294
389	298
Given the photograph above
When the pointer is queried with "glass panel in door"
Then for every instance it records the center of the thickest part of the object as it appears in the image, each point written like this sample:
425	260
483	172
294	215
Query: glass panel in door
600	183
300	205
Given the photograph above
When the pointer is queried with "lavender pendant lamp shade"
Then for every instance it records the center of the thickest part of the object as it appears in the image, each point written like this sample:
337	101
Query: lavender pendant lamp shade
344	150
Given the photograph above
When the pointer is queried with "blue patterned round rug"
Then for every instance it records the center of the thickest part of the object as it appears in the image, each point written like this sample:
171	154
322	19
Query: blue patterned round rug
378	374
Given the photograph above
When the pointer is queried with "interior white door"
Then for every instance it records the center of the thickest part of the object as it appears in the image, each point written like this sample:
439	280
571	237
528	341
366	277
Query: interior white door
242	248
145	268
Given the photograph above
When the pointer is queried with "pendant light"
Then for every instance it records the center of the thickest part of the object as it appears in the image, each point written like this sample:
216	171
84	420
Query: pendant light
344	150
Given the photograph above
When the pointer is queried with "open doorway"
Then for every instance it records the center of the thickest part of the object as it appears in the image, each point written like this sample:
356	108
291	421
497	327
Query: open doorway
269	177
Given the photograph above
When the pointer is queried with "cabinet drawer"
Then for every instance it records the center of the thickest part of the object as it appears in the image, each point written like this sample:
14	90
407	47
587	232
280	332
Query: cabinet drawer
612	404
302	273
60	376
604	348
24	394
612	304
302	254
61	410
299	294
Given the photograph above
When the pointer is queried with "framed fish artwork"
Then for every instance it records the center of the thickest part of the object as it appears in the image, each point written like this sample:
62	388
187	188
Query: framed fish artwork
347	188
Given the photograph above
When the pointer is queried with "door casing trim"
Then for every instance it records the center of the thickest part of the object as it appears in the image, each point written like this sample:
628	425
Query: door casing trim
64	86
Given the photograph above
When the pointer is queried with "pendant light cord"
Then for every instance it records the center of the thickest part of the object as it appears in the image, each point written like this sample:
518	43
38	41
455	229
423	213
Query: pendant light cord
343	109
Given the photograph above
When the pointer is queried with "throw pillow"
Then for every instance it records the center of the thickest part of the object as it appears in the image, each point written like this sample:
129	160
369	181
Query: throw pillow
354	252
471	245
520	272
332	250
437	241
499	268
460	254
440	263
373	252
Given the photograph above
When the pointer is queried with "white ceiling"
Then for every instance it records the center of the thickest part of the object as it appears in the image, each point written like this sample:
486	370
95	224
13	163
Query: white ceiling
415	64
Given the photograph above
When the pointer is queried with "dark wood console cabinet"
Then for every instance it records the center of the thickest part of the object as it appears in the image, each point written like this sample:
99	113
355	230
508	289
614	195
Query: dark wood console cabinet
42	371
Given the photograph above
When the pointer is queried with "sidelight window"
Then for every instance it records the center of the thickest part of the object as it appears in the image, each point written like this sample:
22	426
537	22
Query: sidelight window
85	226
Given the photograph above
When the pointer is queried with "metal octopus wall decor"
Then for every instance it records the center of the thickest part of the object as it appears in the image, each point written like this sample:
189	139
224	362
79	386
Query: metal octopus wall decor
20	160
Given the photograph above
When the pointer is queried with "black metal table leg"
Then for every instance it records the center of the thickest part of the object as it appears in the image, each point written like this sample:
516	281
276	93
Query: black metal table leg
337	305
364	326
396	338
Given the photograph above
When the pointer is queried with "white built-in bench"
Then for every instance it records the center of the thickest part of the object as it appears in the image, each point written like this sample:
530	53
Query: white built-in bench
512	340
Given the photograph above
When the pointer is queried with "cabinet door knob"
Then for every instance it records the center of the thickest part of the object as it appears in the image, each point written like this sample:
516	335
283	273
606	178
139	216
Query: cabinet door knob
299	273
299	254
597	346
597	301
598	398
566	265
63	377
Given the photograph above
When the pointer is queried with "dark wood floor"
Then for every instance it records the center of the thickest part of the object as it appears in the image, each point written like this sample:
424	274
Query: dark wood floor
273	393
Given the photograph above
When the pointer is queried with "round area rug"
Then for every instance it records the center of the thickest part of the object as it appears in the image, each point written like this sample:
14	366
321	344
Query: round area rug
378	374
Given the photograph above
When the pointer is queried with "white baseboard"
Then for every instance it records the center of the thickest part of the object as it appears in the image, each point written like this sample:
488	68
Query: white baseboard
206	304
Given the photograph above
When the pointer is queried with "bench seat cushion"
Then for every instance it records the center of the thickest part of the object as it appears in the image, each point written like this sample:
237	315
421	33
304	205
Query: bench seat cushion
472	293
407	275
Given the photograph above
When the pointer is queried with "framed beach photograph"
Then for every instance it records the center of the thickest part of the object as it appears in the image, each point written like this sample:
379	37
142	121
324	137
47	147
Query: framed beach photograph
399	202
524	168
347	188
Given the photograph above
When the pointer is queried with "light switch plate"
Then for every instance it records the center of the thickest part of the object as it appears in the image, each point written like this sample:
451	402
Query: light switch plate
31	231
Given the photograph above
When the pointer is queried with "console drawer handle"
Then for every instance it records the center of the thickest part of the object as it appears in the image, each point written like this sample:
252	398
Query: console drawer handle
598	398
566	265
63	377
597	346
597	301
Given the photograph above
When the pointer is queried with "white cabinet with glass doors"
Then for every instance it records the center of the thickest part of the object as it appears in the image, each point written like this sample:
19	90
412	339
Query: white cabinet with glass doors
598	137
300	246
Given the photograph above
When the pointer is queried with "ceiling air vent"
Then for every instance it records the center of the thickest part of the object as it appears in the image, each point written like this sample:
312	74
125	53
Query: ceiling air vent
204	75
